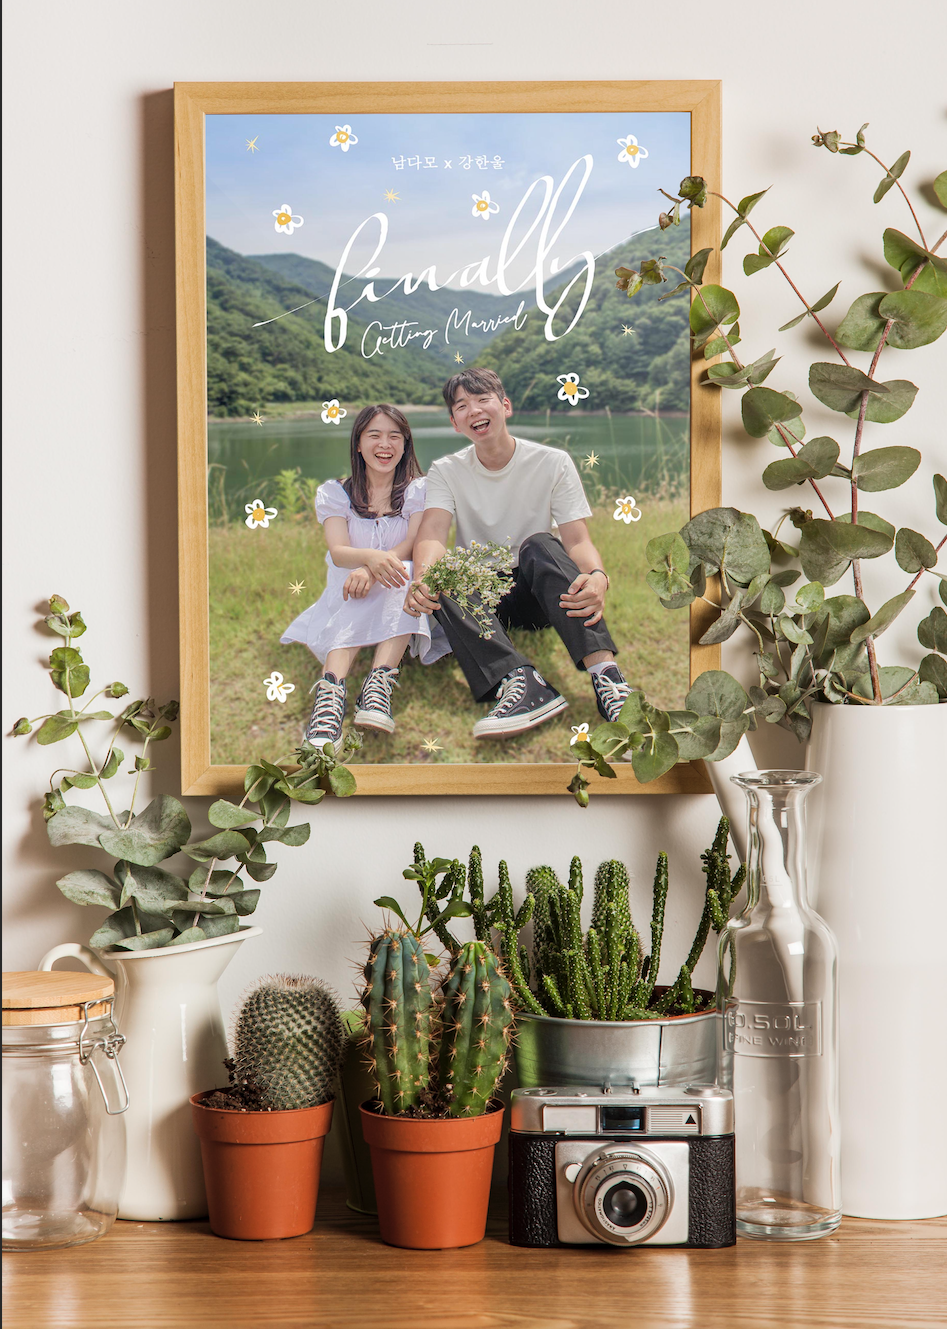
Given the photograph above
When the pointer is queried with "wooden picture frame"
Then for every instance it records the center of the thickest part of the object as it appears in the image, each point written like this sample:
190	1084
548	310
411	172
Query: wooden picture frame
194	101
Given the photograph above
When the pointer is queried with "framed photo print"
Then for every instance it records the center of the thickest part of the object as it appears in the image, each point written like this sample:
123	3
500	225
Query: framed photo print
404	364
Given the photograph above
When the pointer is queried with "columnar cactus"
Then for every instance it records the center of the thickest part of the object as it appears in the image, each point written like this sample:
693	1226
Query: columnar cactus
288	1041
397	997
476	1022
604	975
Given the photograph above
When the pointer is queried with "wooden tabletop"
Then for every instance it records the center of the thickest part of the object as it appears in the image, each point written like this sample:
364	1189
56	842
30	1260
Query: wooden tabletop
170	1275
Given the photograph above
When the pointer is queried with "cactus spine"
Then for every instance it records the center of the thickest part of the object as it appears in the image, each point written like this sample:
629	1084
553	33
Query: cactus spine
289	1040
476	1025
397	997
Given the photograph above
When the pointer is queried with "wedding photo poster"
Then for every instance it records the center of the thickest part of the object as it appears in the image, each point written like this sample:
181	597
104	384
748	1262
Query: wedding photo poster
363	259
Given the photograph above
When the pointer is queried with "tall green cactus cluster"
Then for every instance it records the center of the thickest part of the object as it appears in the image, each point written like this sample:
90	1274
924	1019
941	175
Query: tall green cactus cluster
435	1055
288	1041
603	974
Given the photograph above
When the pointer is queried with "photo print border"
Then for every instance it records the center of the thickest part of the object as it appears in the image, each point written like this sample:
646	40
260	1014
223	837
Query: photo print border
194	101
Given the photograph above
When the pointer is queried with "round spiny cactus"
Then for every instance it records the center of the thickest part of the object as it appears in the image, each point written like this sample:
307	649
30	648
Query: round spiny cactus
289	1038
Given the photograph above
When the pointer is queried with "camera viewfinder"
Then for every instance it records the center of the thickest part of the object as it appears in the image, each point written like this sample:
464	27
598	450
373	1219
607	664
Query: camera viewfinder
624	1117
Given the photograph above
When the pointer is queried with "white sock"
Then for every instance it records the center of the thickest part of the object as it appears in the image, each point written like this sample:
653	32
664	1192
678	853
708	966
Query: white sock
602	664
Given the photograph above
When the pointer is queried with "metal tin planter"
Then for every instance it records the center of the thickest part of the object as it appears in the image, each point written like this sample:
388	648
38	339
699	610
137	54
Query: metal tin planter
679	1049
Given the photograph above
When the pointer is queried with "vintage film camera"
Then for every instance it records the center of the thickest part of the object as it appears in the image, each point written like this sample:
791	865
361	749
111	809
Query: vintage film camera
647	1167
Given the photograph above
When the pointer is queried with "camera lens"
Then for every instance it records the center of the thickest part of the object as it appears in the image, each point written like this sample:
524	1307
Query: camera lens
625	1205
623	1195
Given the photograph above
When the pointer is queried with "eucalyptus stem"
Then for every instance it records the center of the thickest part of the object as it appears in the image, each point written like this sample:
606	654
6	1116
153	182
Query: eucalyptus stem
759	239
131	807
887	171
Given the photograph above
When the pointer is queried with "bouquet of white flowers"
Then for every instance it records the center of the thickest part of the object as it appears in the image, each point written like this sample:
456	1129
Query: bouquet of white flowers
477	578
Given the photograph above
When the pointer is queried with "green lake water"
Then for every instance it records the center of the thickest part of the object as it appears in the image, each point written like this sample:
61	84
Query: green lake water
635	452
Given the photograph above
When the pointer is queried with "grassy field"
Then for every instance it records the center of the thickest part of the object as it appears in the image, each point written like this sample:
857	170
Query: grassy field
251	605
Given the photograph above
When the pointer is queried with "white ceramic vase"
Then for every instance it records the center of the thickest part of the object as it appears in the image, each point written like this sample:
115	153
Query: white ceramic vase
167	1007
876	868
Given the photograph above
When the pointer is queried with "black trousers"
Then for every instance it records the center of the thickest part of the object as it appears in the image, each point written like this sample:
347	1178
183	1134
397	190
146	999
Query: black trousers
545	573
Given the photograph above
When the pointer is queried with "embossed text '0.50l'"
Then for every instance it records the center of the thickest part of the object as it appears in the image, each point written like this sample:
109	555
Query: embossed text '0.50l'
773	1028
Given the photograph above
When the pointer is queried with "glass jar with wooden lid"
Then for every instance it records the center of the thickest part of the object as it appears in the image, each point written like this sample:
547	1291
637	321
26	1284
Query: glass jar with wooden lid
63	1099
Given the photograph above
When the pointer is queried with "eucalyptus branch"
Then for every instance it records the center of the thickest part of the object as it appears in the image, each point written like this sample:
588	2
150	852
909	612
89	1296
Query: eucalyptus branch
887	171
138	773
759	239
787	438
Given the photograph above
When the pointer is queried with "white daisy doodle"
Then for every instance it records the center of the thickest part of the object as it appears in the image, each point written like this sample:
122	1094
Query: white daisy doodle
332	412
276	689
342	138
570	390
631	152
626	510
580	734
259	515
286	220
483	205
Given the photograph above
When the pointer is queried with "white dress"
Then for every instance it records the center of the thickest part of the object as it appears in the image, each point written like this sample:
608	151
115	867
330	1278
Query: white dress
335	624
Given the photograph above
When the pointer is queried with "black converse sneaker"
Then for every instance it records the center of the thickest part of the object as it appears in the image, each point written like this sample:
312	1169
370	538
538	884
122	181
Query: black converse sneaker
524	699
373	707
611	691
328	712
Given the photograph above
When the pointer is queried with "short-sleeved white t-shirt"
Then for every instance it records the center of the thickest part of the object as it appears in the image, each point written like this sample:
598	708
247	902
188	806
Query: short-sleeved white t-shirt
539	488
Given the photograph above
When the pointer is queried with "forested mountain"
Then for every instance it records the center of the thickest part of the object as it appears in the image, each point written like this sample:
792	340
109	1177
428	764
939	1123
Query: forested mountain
286	360
624	371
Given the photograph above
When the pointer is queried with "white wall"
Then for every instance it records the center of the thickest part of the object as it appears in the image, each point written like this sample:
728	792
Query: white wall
90	431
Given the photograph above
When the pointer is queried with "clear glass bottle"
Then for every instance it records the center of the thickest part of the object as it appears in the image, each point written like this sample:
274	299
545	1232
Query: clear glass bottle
63	1099
777	994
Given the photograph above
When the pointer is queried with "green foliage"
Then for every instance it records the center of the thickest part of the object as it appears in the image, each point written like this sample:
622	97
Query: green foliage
603	974
814	647
154	907
289	1039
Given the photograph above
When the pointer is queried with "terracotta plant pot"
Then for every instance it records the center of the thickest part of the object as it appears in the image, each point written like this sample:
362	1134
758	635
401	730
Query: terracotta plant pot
261	1169
432	1177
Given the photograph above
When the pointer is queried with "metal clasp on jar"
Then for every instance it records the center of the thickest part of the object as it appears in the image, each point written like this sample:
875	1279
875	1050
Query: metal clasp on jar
111	1045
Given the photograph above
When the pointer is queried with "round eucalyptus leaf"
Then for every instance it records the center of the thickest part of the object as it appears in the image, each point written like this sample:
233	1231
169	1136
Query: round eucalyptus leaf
913	550
885	468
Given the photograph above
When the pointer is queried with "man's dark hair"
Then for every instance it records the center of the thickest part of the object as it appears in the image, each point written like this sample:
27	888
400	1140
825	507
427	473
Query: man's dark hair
474	381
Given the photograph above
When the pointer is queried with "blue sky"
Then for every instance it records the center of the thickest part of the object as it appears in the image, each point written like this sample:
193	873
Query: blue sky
432	221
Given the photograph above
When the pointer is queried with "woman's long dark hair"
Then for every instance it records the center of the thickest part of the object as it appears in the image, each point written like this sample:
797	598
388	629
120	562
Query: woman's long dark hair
356	486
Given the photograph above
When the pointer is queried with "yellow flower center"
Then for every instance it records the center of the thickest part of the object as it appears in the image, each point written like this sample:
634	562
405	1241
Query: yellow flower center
570	388
333	411
258	514
482	205
631	149
342	137
284	217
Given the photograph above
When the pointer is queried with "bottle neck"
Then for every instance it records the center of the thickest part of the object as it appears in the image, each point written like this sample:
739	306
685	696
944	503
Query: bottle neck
776	864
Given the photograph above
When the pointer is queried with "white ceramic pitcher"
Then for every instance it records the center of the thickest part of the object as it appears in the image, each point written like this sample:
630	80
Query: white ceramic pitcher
168	1009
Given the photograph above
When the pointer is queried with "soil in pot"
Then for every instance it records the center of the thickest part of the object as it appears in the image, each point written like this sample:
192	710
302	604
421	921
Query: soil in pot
261	1169
432	1176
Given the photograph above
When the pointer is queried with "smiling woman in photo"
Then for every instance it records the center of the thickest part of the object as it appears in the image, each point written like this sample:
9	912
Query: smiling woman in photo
371	521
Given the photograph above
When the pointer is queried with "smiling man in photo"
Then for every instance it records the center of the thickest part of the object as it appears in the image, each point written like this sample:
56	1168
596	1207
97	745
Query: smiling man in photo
514	492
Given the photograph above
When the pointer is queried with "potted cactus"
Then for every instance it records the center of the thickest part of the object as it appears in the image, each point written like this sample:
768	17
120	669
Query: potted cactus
590	1010
436	1056
262	1138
